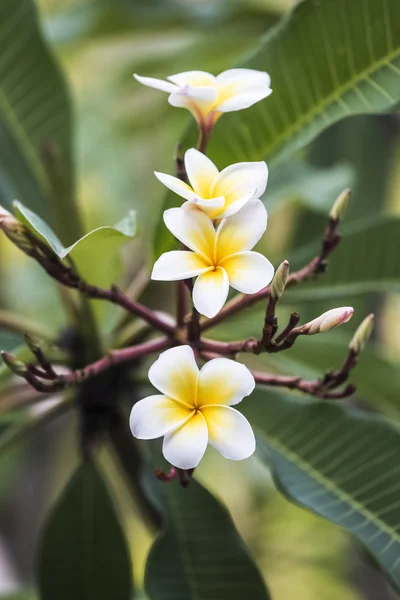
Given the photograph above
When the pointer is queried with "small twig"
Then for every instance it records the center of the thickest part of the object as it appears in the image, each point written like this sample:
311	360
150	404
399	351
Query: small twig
43	382
293	320
312	388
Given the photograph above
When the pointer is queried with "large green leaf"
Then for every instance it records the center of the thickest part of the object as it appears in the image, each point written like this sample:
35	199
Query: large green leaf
328	60
83	552
199	554
340	464
95	254
364	261
35	111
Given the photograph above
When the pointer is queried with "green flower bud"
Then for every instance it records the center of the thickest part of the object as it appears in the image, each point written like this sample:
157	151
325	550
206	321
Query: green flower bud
340	205
279	281
15	365
362	334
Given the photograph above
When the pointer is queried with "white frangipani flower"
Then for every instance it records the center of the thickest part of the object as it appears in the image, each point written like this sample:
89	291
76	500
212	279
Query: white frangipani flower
207	96
194	408
219	194
219	257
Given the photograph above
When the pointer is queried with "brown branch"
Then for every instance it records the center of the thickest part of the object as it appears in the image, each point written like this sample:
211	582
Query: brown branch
69	278
315	267
41	380
315	387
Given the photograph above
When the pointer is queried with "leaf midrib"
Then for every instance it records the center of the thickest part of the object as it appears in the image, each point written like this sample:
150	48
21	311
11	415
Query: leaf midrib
330	486
23	140
318	108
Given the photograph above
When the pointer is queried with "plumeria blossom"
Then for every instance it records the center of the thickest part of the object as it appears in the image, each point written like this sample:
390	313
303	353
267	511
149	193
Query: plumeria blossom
195	408
218	258
219	194
207	96
328	320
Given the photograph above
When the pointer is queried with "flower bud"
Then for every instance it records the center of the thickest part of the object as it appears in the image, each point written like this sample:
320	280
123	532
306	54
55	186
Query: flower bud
340	205
32	343
279	281
15	365
362	334
14	230
328	320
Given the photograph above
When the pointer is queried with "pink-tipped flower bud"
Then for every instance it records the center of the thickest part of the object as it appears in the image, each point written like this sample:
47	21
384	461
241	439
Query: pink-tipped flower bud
328	320
362	334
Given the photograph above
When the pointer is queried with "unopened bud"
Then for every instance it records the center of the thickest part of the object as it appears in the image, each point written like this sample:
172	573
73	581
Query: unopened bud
328	320
279	281
362	334
15	365
32	343
340	205
14	230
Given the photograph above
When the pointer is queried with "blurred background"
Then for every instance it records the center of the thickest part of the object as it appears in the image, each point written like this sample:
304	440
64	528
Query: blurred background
123	132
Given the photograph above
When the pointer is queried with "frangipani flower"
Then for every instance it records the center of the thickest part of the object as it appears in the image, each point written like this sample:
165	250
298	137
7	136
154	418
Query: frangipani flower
194	408
328	320
219	257
207	97
219	194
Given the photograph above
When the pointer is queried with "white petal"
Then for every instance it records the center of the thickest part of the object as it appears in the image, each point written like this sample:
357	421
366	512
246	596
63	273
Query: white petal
158	84
201	172
244	78
248	272
177	265
193	228
175	374
255	173
210	207
236	198
243	99
196	78
229	432
176	185
155	416
184	448
210	292
241	231
225	382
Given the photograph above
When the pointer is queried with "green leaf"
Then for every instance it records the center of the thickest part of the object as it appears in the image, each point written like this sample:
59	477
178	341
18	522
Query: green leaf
95	254
35	112
328	60
363	262
199	554
22	595
340	464
83	552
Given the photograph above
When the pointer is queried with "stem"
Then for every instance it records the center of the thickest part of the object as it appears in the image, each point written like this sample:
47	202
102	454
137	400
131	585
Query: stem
181	304
312	388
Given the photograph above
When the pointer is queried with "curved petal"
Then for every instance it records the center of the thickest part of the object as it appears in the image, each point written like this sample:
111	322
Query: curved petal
236	198
155	416
255	173
158	84
176	185
225	382
175	374
177	265
210	292
201	172
193	228
243	99
241	231
197	78
211	207
229	432
243	78
248	272
184	448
